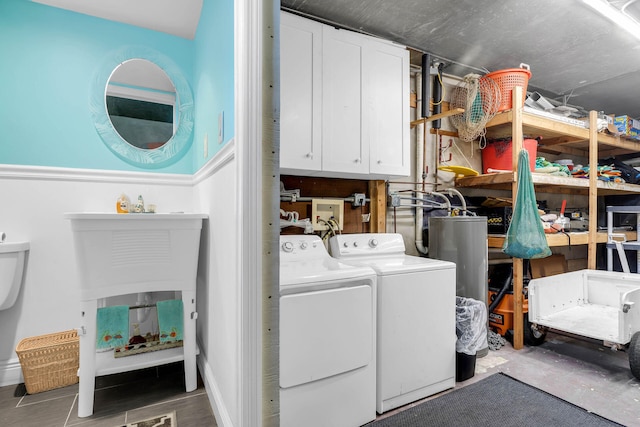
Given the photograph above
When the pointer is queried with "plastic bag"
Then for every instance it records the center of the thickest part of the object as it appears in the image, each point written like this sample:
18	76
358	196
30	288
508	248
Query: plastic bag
471	325
525	236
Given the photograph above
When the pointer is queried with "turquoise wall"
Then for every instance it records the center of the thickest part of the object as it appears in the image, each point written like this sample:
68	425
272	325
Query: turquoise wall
213	78
49	60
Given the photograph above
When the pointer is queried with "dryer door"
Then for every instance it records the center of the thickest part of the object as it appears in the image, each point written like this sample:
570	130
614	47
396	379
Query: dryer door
325	333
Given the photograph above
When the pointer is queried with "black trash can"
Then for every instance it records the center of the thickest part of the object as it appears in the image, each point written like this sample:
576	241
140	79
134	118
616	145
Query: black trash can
471	330
465	366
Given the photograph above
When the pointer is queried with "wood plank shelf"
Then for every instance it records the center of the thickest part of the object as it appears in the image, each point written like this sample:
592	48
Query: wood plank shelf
560	239
556	137
545	183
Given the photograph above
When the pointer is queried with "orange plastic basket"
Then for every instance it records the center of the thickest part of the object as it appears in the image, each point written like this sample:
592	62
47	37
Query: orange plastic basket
508	79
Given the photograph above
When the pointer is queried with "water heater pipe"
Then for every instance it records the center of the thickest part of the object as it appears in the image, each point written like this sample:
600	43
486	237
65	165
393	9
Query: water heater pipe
437	96
424	91
421	153
463	203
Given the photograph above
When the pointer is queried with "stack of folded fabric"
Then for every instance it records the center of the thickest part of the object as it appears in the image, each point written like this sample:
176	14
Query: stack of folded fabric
555	169
605	173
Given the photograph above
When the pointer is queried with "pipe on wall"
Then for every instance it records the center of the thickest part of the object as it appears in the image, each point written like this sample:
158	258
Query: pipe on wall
420	171
437	96
425	93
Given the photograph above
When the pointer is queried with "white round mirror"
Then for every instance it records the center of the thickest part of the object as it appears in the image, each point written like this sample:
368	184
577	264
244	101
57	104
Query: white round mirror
142	108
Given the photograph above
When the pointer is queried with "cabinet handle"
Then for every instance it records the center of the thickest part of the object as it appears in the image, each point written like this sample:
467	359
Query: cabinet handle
379	162
357	160
309	155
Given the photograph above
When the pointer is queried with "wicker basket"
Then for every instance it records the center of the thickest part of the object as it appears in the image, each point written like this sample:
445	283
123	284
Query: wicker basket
49	361
507	80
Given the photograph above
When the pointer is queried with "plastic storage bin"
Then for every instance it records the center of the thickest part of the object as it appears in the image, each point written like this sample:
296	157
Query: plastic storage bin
497	155
49	361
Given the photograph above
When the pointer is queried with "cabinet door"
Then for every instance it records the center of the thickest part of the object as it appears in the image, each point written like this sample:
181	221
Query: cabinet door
344	136
300	94
387	93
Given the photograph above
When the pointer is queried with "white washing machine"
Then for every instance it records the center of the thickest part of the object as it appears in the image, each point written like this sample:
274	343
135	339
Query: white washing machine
327	337
416	331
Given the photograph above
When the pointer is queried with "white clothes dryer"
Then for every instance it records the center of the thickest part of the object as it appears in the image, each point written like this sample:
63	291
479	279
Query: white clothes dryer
327	337
416	330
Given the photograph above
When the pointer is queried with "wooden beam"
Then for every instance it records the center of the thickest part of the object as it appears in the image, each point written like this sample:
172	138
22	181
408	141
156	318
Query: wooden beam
516	146
443	132
378	196
439	116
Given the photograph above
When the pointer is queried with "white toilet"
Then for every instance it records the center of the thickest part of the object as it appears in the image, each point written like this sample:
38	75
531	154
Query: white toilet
12	257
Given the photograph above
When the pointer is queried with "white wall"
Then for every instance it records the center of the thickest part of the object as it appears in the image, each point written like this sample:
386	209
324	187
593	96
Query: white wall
34	201
218	294
402	220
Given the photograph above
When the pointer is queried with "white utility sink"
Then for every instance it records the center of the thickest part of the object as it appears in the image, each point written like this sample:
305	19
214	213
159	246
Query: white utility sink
120	254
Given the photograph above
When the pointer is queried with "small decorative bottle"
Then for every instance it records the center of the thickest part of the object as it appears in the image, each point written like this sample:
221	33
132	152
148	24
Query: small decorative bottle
122	204
139	206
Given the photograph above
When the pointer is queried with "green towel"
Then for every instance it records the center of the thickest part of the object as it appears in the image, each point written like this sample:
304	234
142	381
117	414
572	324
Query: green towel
113	326
170	319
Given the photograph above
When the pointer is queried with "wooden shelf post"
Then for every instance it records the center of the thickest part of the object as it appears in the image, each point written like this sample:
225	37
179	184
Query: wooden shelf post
516	146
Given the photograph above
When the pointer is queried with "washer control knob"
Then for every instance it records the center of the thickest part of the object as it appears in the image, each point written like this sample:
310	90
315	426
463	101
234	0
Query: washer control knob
373	243
287	247
303	245
345	244
355	244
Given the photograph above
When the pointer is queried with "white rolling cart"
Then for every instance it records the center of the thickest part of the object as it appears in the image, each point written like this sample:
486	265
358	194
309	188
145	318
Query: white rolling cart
120	254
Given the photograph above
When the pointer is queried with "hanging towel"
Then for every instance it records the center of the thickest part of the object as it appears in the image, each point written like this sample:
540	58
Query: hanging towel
113	326
170	319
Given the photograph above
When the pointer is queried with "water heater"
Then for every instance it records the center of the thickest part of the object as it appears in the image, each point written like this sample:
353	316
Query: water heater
463	240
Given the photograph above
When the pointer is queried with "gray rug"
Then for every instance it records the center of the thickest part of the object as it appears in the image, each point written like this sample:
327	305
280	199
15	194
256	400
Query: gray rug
496	400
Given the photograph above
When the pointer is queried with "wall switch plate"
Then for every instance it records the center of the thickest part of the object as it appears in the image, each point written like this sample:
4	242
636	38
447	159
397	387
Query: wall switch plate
322	210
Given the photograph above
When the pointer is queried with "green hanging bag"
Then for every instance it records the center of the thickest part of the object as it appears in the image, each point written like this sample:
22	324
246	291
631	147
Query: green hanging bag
525	237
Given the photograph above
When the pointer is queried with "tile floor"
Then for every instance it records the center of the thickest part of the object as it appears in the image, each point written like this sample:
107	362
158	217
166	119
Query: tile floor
581	372
119	399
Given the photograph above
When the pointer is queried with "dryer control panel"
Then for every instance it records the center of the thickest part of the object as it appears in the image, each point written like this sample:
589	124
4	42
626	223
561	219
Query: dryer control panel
302	246
345	245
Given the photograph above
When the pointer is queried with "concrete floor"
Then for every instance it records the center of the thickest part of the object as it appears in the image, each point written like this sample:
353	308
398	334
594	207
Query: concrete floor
582	372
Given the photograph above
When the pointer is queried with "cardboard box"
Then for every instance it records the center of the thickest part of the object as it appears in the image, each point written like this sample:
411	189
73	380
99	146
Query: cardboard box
627	125
549	266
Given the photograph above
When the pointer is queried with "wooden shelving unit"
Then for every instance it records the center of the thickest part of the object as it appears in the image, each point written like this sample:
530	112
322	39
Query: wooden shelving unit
556	137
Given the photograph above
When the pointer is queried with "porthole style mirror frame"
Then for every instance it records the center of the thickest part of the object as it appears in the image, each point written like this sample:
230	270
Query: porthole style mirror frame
182	138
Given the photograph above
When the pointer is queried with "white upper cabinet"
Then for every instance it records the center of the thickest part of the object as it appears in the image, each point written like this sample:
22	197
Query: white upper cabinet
300	94
344	103
388	92
345	135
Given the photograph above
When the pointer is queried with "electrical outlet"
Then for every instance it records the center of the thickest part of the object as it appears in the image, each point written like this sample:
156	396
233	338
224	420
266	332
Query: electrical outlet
206	145
322	210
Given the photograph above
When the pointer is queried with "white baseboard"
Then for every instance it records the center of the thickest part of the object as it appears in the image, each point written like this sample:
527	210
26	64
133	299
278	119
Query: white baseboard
223	419
10	372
